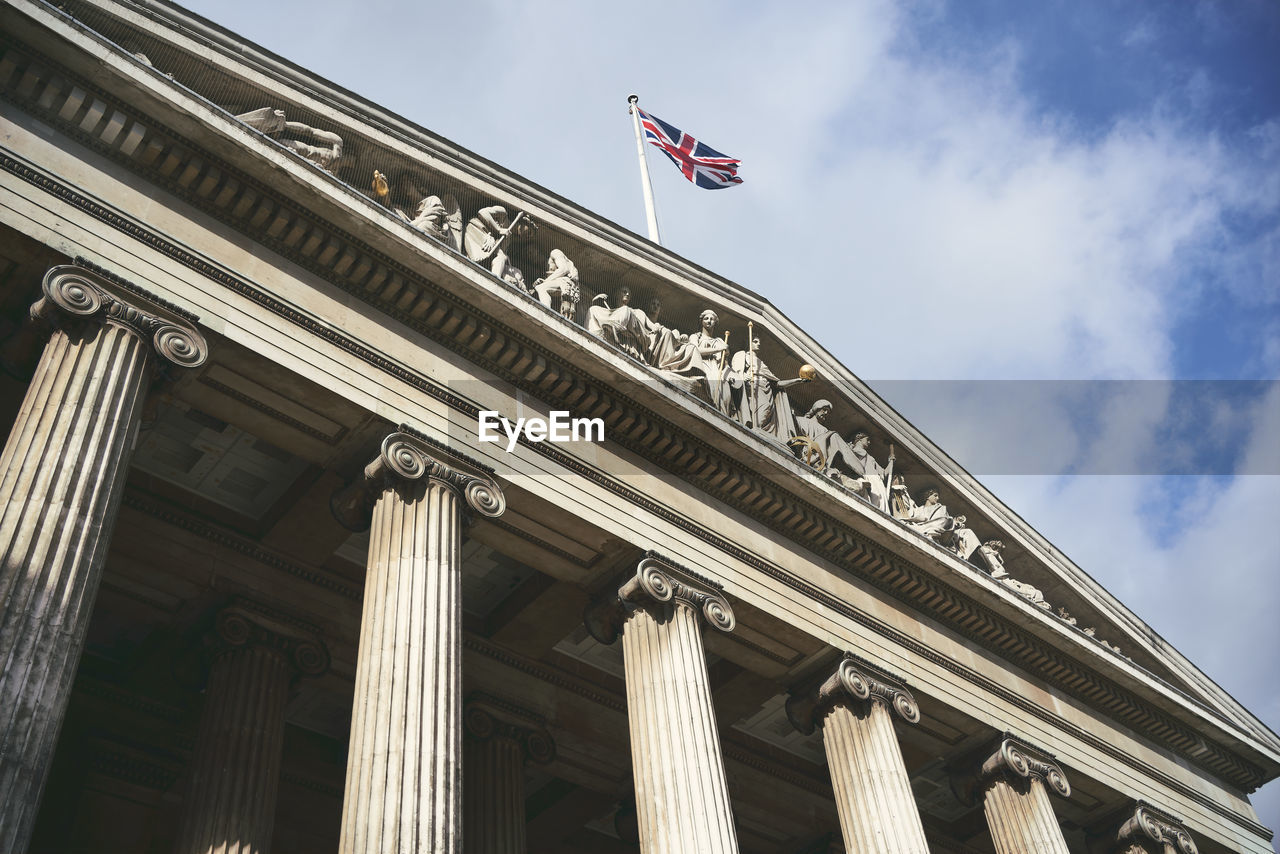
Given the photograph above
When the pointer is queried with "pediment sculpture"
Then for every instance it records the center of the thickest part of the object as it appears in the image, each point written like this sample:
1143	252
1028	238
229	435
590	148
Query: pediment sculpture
319	147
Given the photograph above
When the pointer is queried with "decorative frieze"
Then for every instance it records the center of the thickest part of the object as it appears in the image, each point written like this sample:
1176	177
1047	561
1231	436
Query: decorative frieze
62	474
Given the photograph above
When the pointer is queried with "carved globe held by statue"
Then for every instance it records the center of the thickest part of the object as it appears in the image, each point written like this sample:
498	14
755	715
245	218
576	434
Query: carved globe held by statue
808	372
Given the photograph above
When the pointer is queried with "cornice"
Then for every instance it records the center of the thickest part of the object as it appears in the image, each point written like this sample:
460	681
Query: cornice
517	358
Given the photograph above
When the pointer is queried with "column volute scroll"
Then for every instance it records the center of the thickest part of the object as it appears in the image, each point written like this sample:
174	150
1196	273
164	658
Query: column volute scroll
408	458
1142	828
855	684
1015	779
659	586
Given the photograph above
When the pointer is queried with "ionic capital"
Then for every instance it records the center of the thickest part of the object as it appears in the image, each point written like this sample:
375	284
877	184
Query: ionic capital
658	581
408	457
73	292
1151	830
486	717
242	625
1016	759
855	684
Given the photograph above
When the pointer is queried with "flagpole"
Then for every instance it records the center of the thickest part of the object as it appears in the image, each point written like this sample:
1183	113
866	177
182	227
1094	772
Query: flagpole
650	213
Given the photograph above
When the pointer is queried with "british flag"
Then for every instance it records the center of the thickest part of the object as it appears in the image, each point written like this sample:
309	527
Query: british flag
699	162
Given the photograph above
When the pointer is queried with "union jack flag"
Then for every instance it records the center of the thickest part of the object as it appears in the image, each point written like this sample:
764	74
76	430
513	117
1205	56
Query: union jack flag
699	162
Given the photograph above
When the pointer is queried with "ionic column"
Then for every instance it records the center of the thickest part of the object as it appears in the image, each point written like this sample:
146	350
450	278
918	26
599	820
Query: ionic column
404	767
230	802
1016	801
1148	830
62	473
855	709
682	803
500	739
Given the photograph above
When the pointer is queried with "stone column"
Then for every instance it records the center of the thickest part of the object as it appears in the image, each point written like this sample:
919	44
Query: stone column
682	803
500	738
855	708
230	802
62	473
1147	830
404	767
1015	780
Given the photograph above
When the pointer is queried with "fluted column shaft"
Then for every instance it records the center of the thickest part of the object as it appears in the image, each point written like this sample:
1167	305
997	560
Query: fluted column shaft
682	802
1021	818
62	474
494	818
230	805
1014	782
877	808
500	738
855	708
404	768
230	802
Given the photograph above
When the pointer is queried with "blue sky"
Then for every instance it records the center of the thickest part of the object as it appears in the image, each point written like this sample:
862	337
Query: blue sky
979	190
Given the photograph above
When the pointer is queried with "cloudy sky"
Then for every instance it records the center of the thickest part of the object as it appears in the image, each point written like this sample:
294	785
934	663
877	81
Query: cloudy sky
994	190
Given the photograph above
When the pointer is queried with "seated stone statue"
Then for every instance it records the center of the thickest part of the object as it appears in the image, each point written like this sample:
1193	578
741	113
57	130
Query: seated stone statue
319	147
483	241
868	475
932	519
629	329
559	288
440	218
697	362
760	399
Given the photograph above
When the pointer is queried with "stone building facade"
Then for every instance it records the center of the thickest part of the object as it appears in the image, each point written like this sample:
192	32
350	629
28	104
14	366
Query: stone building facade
264	588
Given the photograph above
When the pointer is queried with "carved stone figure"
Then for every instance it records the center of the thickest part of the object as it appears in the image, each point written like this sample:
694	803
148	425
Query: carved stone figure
625	327
990	551
869	475
932	519
440	218
484	240
816	443
320	147
697	362
559	289
760	398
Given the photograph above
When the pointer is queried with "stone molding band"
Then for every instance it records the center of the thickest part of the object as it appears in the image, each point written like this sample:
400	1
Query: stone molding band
241	625
72	292
407	457
1017	759
853	683
486	717
659	581
1148	824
